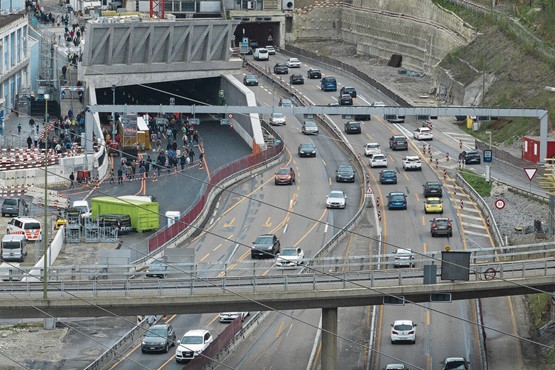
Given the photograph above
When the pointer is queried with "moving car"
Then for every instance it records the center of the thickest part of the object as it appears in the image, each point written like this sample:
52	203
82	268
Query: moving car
345	99
281	69
455	363
227	317
345	173
328	84
394	118
293	63
372	148
470	157
285	102
423	133
398	142
353	127
403	258
285	175
378	160
250	80
412	162
313	73
14	207
403	331
307	150
158	268
265	246
432	189
290	257
310	128
336	199
261	54
159	338
396	200
348	90
441	226
395	367
296	79
433	205
271	49
388	177
192	344
277	119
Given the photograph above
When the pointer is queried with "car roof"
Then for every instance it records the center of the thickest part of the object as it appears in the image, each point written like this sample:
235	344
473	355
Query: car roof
26	219
367	144
403	250
348	87
410	157
336	191
266	235
432	198
388	171
400	322
433	183
393	193
196	332
345	166
398	137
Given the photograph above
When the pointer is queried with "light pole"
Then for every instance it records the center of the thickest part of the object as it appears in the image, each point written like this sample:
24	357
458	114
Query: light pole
113	112
45	227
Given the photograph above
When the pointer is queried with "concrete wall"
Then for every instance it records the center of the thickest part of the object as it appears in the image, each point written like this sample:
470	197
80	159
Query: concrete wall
246	125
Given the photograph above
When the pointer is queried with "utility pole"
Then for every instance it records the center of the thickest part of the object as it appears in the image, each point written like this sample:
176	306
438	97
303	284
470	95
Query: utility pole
45	226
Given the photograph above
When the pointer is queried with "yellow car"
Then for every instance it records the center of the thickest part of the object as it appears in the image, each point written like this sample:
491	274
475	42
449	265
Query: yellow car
433	205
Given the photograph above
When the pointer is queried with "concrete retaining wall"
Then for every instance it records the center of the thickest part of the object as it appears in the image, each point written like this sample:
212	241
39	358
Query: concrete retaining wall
54	249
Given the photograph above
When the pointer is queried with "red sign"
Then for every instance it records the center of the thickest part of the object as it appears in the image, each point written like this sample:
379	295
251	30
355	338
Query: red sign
499	204
530	172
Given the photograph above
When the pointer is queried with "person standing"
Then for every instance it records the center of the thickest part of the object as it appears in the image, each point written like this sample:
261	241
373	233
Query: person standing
200	160
71	179
29	142
120	176
36	140
191	155
19	128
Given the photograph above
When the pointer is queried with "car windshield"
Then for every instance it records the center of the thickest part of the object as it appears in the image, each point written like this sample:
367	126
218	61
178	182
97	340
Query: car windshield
10	202
156	332
286	102
32	226
434	201
310	124
251	77
378	157
264	240
388	174
277	115
372	146
402	327
433	185
307	146
315	71
289	252
440	222
192	339
345	169
336	194
283	171
293	60
353	124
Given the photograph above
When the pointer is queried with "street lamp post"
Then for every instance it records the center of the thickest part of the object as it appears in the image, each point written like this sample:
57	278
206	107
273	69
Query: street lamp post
45	226
113	112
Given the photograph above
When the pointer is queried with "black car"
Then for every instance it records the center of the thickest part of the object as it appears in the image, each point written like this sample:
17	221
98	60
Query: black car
296	79
159	338
353	127
250	80
281	69
348	90
441	226
398	142
307	150
432	189
470	157
345	99
265	246
345	173
314	73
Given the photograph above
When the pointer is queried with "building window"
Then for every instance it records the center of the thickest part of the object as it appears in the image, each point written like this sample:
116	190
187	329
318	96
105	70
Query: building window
188	6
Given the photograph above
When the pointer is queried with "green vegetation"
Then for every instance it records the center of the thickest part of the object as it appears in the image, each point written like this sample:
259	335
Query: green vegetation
539	308
478	182
21	326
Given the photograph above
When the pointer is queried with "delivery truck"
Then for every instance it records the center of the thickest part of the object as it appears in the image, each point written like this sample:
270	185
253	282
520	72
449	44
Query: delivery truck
144	214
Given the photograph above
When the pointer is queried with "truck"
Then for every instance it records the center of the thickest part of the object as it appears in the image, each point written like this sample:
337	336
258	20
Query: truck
14	247
144	214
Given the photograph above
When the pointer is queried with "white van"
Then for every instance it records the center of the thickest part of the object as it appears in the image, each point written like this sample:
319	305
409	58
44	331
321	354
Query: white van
261	54
29	227
14	247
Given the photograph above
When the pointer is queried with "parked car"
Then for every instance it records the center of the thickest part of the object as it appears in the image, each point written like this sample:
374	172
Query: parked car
14	207
285	102
271	49
293	63
336	199
290	257
353	127
345	99
277	119
309	128
345	173
397	200
265	246
388	177
192	344
159	338
285	175
433	189
296	79
158	268
314	73
412	162
27	226
120	222
470	157
372	148
398	142
281	69
403	331
250	80
433	205
307	150
378	160
423	133
441	226
227	317
348	90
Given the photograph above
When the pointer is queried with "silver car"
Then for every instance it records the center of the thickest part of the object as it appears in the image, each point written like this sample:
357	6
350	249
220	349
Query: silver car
310	128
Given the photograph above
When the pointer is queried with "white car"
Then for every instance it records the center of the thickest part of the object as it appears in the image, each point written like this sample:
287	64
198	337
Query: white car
290	257
372	148
227	317
403	331
412	162
277	119
378	104
271	50
423	133
378	160
336	199
293	63
310	128
193	343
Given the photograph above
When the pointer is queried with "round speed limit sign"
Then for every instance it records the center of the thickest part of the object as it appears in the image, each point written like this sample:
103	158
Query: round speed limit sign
230	115
499	204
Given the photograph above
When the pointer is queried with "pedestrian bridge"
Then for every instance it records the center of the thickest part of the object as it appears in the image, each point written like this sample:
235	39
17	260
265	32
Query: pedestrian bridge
94	298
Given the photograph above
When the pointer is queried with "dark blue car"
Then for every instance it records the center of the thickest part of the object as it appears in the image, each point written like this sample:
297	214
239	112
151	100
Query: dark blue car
397	200
388	177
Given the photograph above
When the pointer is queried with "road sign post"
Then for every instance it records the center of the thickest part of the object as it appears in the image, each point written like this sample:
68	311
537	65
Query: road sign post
530	173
